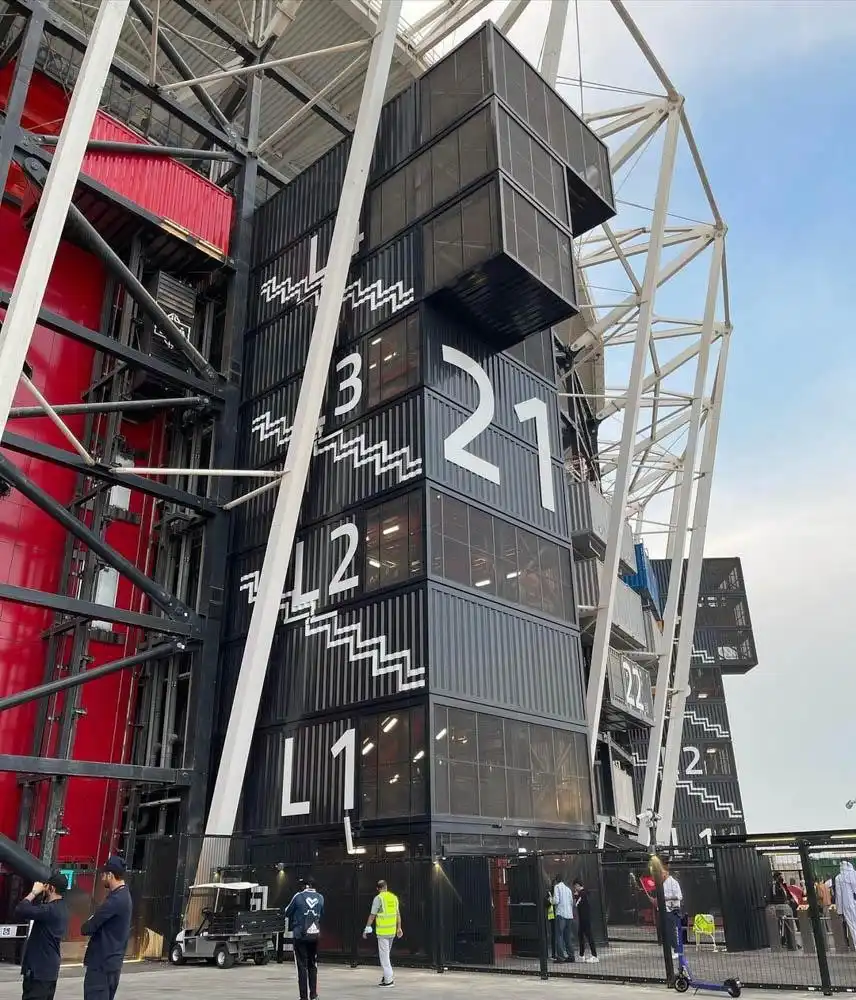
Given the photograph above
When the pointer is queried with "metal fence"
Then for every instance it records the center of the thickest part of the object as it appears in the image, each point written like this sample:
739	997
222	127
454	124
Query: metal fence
491	913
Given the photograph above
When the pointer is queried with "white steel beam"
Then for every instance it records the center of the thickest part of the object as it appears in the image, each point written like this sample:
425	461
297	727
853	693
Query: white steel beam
242	720
57	421
554	38
508	18
689	605
624	474
40	254
680	520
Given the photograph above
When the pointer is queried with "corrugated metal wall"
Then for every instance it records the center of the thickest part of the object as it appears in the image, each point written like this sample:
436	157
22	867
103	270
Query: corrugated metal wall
627	614
518	493
493	656
278	350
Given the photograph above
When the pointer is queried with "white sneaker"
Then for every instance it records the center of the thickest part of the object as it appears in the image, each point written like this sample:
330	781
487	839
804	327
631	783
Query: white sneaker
593	959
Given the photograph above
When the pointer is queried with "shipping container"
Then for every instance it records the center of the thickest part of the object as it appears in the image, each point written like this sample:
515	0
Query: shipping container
372	549
310	199
510	384
277	351
264	426
384	749
382	285
455	85
493	656
705	719
522	492
398	131
628	618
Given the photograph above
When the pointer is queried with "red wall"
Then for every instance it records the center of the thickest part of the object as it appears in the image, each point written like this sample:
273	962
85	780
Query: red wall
32	545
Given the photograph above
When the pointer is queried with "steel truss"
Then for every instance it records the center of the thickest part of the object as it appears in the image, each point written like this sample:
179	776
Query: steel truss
194	60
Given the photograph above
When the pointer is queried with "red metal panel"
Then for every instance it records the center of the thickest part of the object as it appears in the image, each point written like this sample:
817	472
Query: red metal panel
160	185
31	544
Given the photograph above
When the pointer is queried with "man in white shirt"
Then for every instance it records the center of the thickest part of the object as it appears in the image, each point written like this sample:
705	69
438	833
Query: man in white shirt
563	901
674	901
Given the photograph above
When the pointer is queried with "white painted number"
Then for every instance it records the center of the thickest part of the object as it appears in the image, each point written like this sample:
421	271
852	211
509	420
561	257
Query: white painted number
353	383
347	744
633	673
536	409
300	598
692	767
338	583
455	445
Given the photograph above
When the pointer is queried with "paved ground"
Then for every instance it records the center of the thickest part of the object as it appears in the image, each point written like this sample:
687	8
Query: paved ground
276	982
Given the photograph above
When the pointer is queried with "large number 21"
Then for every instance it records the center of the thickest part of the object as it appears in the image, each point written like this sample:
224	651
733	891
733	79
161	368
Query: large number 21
455	445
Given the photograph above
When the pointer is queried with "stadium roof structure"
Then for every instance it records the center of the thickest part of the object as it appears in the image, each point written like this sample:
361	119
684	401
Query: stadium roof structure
649	349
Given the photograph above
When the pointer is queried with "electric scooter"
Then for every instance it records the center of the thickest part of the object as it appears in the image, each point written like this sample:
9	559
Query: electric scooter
684	979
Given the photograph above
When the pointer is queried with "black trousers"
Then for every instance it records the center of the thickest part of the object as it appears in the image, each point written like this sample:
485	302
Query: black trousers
584	934
99	985
306	960
38	989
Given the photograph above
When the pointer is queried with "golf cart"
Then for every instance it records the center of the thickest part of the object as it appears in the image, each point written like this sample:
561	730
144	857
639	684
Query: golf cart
224	923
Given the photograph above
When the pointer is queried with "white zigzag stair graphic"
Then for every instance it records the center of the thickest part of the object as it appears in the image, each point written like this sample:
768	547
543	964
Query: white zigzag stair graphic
703	655
341	448
376	295
326	624
706	724
709	798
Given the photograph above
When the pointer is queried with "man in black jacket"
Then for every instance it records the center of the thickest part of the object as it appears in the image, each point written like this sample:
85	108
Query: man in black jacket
108	930
45	907
584	928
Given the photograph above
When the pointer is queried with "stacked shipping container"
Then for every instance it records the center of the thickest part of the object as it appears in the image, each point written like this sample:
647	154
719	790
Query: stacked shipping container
426	674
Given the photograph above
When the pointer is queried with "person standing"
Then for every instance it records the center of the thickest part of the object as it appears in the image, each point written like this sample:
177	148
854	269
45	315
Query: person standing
108	930
386	918
304	914
564	902
584	931
674	899
551	920
45	907
845	898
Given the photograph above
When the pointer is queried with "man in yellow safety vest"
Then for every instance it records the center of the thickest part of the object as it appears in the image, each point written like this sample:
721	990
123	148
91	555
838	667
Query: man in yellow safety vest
386	918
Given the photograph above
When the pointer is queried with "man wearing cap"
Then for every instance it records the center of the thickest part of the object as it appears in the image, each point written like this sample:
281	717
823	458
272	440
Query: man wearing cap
45	907
108	930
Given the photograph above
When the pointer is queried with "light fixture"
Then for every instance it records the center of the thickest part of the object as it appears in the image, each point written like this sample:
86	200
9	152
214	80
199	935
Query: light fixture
482	583
394	779
280	867
512	576
375	342
702	695
373	365
368	746
389	357
359	850
441	734
395	848
419	755
390	724
374	564
392	529
711	750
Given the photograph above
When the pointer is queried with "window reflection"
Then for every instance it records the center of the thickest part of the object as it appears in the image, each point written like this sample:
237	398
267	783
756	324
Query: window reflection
393	542
392	764
488	766
478	550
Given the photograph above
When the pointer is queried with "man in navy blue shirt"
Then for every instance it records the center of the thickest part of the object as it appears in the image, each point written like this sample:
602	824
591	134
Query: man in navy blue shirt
108	930
304	914
45	907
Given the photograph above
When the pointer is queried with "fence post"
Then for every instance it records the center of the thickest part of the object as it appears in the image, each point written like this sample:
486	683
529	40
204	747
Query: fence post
541	917
357	918
668	927
438	888
818	930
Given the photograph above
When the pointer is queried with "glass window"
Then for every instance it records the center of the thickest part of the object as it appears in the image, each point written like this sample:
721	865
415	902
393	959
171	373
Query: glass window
392	756
536	170
463	744
717	760
706	682
394	541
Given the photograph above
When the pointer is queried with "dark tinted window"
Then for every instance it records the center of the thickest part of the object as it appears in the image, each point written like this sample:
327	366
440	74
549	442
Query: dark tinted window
461	238
394	542
392	764
532	167
478	550
537	242
501	768
456	84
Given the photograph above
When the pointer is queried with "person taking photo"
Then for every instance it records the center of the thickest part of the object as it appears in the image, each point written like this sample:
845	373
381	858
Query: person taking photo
45	907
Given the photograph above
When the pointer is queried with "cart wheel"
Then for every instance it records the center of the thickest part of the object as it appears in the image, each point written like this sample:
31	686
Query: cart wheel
261	958
223	959
176	955
733	987
682	984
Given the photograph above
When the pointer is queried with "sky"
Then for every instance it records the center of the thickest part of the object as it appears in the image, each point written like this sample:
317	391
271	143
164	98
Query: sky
770	92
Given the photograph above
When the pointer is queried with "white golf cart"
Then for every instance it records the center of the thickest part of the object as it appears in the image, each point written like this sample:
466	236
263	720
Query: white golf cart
226	922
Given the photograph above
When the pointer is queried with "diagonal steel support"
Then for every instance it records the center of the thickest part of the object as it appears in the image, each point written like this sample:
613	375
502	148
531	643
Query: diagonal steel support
42	246
48	411
169	604
17	98
689	605
148	149
84	677
116	406
175	57
242	720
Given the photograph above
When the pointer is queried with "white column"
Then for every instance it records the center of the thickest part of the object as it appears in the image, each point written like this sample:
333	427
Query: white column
678	534
683	657
554	40
29	291
624	473
239	734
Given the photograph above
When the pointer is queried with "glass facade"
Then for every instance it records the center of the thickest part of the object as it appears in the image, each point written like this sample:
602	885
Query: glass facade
487	766
478	550
392	765
394	542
